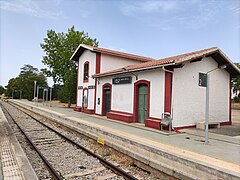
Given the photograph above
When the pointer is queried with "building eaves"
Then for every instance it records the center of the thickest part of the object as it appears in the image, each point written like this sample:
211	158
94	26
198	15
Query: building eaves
83	47
217	54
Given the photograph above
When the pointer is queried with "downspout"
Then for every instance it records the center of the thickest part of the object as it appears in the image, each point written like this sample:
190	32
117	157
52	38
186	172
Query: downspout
163	68
166	70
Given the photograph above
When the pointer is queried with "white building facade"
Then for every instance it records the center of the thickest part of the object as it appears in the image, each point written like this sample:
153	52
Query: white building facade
137	89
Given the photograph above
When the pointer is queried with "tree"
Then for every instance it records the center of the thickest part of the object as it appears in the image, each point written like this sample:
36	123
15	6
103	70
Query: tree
25	82
12	85
236	87
59	47
2	90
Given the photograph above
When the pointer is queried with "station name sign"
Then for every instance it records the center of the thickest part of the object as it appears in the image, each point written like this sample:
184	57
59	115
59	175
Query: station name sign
122	80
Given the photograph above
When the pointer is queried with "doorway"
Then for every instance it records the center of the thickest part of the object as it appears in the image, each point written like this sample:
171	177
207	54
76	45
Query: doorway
142	103
106	106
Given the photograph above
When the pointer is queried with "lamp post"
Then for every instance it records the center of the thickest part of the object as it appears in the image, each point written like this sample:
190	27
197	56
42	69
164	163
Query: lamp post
50	96
207	100
35	84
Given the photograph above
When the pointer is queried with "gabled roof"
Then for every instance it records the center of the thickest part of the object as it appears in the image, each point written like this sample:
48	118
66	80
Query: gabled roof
82	47
214	52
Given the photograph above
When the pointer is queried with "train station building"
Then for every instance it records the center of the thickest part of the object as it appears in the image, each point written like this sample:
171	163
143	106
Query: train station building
138	89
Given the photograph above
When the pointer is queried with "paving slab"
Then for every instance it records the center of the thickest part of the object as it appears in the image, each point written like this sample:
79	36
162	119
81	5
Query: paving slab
14	162
222	152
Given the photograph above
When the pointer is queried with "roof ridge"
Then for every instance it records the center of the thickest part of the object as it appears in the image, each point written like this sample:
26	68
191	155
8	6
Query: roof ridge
109	51
190	53
166	61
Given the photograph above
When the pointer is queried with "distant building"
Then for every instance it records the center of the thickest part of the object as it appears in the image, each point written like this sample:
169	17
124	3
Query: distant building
137	89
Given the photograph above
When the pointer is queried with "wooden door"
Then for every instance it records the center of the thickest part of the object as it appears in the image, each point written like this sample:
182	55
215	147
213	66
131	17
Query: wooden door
142	103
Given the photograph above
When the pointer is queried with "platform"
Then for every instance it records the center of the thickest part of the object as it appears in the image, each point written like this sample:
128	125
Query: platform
14	163
183	155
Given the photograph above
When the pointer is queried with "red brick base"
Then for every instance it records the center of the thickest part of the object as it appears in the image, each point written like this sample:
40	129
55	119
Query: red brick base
121	116
153	123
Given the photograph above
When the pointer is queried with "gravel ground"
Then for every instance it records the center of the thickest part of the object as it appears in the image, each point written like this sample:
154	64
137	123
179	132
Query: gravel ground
107	153
64	157
35	160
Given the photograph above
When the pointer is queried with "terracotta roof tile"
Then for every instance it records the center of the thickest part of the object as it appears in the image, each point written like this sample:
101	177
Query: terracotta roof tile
117	53
169	60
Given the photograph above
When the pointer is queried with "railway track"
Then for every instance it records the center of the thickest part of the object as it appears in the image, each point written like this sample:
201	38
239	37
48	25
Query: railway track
63	157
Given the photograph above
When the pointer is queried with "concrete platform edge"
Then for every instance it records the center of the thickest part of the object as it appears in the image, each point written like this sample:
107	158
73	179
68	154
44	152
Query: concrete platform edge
20	156
172	164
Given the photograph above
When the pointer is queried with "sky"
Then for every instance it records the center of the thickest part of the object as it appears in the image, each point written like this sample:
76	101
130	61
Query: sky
152	28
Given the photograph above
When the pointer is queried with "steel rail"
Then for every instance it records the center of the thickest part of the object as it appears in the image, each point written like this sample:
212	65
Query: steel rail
106	163
52	171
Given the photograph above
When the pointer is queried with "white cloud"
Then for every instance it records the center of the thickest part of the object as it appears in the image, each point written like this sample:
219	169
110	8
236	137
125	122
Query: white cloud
129	9
32	8
167	15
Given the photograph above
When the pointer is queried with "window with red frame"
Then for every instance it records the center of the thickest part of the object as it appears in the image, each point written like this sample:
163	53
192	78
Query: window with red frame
86	72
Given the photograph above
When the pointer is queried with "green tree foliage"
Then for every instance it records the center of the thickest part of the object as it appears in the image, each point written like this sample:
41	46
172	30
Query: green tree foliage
2	90
25	82
59	47
236	87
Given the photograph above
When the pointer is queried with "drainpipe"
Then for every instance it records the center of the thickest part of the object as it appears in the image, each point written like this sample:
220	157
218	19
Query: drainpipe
163	68
166	70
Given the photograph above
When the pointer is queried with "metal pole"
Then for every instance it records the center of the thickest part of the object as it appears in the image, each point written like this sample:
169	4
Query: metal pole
207	110
43	95
50	96
20	94
35	83
12	94
47	96
37	94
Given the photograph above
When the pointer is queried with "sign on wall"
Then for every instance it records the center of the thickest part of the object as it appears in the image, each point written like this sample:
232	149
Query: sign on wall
80	87
202	80
91	87
122	80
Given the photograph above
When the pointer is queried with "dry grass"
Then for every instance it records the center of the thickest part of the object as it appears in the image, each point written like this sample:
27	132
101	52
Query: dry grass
236	106
55	103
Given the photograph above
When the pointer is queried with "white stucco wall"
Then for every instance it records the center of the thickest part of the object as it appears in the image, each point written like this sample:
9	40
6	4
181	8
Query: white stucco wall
123	94
157	81
189	99
109	62
91	57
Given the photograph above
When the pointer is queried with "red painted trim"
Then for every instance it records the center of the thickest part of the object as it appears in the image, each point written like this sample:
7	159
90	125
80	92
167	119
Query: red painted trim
153	123
225	123
98	62
87	62
103	97
98	114
230	100
121	116
184	127
121	112
78	108
168	92
85	89
135	101
77	84
88	111
153	118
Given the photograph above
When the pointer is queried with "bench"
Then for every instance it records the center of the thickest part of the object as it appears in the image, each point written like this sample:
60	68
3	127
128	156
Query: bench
201	125
166	120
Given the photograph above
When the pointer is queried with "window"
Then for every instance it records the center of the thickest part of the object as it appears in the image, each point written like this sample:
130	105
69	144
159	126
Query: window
86	72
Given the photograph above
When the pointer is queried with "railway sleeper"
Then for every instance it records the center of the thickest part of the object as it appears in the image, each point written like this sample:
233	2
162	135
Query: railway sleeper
81	174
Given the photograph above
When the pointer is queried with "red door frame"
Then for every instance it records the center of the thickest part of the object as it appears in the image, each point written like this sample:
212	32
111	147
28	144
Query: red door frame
135	101
168	92
103	97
